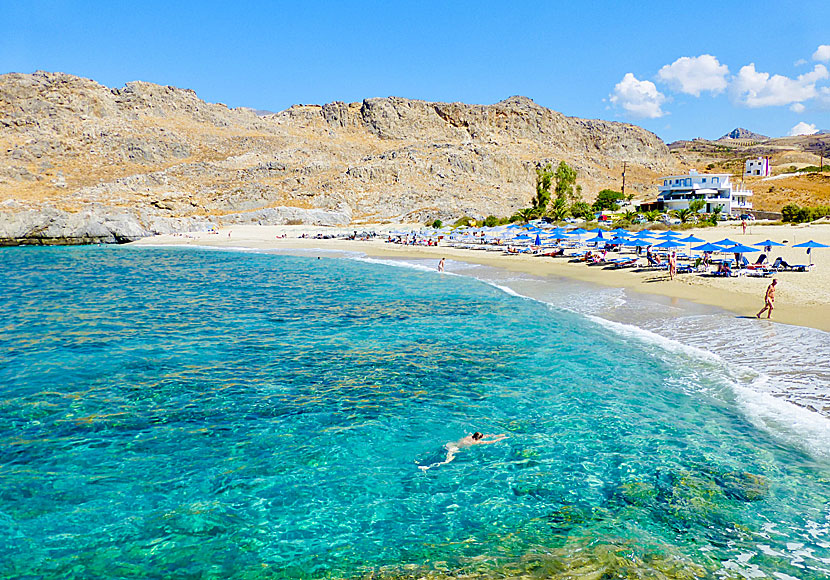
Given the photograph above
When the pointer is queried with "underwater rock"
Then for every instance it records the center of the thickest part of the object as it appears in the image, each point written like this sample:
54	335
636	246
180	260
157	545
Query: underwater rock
744	486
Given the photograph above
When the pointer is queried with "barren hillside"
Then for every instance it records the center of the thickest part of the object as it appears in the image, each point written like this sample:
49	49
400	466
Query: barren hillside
71	145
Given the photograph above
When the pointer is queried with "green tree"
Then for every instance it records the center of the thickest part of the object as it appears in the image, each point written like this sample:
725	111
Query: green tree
566	183
582	209
491	221
607	199
437	224
789	212
684	214
652	215
696	205
544	178
713	218
526	214
625	218
558	209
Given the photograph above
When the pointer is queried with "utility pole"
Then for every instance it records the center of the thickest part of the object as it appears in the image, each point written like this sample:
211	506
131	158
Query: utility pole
625	163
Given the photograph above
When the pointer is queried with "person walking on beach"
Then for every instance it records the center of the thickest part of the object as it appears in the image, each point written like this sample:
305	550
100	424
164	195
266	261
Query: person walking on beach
769	299
441	265
454	447
672	265
743	225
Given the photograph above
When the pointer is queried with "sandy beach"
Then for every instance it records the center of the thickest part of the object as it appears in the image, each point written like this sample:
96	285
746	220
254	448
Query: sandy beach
803	298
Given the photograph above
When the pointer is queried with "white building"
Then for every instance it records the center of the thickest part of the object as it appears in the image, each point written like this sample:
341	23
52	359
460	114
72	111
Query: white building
757	167
715	189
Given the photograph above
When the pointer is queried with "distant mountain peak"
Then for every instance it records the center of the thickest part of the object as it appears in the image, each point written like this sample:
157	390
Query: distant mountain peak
741	133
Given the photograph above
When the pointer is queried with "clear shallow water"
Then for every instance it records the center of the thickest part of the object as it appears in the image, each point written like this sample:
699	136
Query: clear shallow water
186	413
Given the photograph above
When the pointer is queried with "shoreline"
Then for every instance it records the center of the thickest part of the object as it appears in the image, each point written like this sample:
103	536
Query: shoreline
803	298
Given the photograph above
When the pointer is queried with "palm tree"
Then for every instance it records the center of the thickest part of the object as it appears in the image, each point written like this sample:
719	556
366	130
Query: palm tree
684	214
526	213
652	215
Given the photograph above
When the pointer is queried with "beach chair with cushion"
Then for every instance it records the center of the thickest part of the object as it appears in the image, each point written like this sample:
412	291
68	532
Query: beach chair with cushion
619	263
781	266
761	261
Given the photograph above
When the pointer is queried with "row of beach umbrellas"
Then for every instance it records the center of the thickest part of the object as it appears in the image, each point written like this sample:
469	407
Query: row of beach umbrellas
620	236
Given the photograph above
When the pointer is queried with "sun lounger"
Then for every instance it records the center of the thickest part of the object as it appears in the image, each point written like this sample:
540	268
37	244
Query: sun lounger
756	266
653	267
622	263
781	266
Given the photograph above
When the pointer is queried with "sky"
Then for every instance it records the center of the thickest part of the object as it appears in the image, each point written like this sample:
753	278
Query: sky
681	70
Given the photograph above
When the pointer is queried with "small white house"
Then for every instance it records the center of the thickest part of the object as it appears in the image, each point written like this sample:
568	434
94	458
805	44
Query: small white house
757	167
715	189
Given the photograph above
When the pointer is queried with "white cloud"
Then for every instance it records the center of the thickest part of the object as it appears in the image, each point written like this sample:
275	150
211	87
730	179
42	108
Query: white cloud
800	62
803	129
758	89
693	75
797	108
823	98
638	98
822	53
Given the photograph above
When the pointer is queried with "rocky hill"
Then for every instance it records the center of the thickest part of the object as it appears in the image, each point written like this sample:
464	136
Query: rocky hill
741	133
82	162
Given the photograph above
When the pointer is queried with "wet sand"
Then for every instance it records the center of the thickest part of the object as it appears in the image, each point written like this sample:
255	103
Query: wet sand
802	298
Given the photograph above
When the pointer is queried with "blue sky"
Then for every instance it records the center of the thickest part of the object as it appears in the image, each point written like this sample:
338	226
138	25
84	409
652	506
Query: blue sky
681	70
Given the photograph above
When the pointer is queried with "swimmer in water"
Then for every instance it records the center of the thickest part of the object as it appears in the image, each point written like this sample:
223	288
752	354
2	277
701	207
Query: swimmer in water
454	447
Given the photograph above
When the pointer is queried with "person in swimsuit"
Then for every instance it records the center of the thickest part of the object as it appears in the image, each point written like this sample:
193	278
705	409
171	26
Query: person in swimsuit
454	447
441	265
769	300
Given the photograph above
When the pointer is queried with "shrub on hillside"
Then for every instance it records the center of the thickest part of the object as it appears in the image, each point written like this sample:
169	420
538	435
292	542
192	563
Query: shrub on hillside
793	213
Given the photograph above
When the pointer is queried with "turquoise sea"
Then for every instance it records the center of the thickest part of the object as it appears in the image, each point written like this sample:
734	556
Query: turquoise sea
191	413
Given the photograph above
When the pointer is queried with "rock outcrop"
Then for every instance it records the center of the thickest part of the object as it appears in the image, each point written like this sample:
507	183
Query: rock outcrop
75	155
741	133
51	226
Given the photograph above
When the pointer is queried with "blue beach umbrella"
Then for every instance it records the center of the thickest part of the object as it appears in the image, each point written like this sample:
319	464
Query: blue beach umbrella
642	243
621	232
646	232
768	244
538	240
810	245
669	244
597	231
709	247
595	240
578	232
742	249
670	234
618	240
727	242
691	239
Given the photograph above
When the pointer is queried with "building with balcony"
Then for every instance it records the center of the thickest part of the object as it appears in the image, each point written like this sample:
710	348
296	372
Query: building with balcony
757	167
678	191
